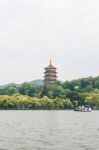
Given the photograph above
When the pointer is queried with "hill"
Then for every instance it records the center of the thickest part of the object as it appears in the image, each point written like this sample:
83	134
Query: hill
37	81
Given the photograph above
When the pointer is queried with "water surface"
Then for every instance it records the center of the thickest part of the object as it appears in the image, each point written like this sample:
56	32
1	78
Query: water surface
49	130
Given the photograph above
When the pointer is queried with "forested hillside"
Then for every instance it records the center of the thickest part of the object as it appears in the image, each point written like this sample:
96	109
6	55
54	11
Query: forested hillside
57	95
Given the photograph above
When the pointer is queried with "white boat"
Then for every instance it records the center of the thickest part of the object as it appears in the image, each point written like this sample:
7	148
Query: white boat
83	109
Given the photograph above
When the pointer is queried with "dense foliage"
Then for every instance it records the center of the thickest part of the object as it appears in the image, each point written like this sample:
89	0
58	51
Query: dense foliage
57	95
26	102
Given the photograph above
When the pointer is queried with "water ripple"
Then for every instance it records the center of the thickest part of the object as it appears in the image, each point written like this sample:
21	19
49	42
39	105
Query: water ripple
49	130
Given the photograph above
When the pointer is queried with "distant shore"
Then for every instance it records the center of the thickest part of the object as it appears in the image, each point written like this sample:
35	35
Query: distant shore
54	96
20	102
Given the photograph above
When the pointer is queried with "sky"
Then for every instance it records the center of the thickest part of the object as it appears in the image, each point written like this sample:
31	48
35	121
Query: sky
33	31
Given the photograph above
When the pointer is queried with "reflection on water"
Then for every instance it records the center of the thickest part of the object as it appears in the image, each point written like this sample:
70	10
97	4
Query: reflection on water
49	130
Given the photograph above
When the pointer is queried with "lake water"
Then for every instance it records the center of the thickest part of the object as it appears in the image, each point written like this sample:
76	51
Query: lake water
49	130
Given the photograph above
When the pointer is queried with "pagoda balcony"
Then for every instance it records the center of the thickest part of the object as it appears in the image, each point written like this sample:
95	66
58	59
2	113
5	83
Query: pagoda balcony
50	69
50	79
50	72
50	76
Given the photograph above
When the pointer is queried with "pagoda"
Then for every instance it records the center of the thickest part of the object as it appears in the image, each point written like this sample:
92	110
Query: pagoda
50	74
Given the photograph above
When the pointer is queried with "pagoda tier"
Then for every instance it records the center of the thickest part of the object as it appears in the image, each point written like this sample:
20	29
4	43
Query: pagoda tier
50	71
50	74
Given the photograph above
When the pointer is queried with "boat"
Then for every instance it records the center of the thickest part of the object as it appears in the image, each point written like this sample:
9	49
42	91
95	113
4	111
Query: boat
83	109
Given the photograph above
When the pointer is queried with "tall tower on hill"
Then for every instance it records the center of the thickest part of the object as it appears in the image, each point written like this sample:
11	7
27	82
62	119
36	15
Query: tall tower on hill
50	74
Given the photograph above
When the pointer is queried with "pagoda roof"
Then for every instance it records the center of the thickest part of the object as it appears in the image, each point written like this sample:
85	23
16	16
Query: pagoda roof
50	66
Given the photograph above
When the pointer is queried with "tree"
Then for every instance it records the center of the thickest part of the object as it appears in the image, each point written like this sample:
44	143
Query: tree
74	96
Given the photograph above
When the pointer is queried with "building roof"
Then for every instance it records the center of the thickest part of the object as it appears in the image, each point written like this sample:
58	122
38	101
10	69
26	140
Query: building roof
50	66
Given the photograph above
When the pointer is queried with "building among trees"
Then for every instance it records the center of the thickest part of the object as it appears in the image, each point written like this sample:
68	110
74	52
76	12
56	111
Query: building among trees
50	74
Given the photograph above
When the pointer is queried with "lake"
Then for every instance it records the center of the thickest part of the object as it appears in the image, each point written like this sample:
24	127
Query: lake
49	130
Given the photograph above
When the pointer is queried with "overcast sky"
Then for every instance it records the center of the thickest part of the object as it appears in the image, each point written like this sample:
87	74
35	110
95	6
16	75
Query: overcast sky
33	31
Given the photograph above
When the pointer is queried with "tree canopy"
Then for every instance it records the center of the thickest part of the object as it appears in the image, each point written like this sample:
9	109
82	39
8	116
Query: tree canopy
58	95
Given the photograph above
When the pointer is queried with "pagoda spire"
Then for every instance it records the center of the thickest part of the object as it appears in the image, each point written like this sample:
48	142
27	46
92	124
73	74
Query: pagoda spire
50	62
